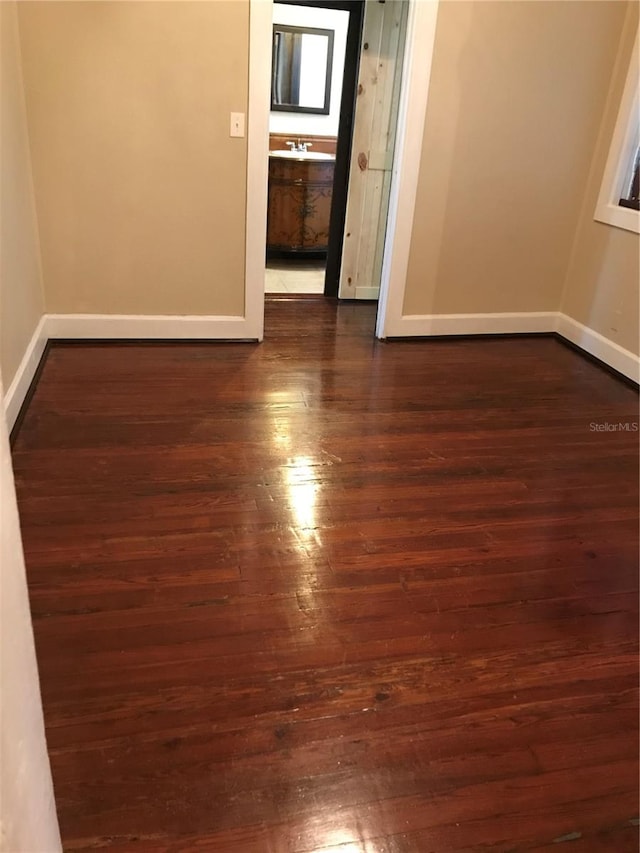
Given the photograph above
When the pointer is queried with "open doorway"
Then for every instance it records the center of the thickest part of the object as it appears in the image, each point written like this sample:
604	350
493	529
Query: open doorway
416	70
315	54
332	131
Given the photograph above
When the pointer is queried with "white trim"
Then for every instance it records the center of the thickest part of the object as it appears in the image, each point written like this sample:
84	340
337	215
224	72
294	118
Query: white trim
145	327
260	17
612	354
17	391
421	34
624	145
592	342
620	217
148	327
427	325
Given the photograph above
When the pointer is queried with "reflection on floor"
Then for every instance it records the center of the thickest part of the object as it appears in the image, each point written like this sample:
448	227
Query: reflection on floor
295	277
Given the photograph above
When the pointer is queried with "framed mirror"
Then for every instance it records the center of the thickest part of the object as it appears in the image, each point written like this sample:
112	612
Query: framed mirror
301	69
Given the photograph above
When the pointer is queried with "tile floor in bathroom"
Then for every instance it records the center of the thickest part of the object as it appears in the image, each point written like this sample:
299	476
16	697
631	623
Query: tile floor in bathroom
295	276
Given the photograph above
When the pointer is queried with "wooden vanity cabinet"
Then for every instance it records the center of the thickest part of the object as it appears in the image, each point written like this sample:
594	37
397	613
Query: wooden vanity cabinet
299	204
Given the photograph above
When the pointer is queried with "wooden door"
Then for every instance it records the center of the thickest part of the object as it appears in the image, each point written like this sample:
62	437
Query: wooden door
372	150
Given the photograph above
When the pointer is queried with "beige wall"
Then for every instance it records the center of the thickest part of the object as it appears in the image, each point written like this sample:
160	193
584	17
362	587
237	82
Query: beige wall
516	98
21	297
140	191
601	288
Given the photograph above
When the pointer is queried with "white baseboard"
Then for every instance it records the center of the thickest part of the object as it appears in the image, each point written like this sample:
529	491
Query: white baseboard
595	344
17	391
612	354
428	325
148	326
115	326
131	326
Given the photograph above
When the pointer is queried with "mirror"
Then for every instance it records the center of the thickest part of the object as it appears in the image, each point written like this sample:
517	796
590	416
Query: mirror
301	69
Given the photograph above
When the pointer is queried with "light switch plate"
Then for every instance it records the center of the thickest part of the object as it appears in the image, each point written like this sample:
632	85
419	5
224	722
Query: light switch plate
237	124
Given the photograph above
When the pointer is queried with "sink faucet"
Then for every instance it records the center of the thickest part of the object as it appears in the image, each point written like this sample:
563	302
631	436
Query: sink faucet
300	147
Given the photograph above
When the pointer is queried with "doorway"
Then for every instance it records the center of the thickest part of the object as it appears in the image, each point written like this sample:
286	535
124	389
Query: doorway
420	38
315	53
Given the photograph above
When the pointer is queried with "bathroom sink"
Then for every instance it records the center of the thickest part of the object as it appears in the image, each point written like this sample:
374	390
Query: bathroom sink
302	155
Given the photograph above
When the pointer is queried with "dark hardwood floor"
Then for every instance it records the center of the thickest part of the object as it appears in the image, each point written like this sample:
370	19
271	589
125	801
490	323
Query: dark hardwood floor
332	594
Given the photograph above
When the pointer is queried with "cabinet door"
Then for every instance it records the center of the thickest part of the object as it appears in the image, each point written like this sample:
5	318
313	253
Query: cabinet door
317	206
286	203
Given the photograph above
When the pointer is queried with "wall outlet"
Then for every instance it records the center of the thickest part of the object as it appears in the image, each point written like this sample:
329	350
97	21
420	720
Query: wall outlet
237	124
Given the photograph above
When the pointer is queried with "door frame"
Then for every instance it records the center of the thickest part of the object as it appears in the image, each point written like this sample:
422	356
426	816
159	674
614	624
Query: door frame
421	29
338	215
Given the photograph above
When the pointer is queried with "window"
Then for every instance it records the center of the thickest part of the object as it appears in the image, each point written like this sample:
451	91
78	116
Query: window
618	202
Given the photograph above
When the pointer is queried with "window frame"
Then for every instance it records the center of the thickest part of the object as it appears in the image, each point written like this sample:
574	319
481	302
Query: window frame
618	171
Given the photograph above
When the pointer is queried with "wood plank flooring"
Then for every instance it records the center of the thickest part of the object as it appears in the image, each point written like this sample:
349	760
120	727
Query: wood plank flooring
332	594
